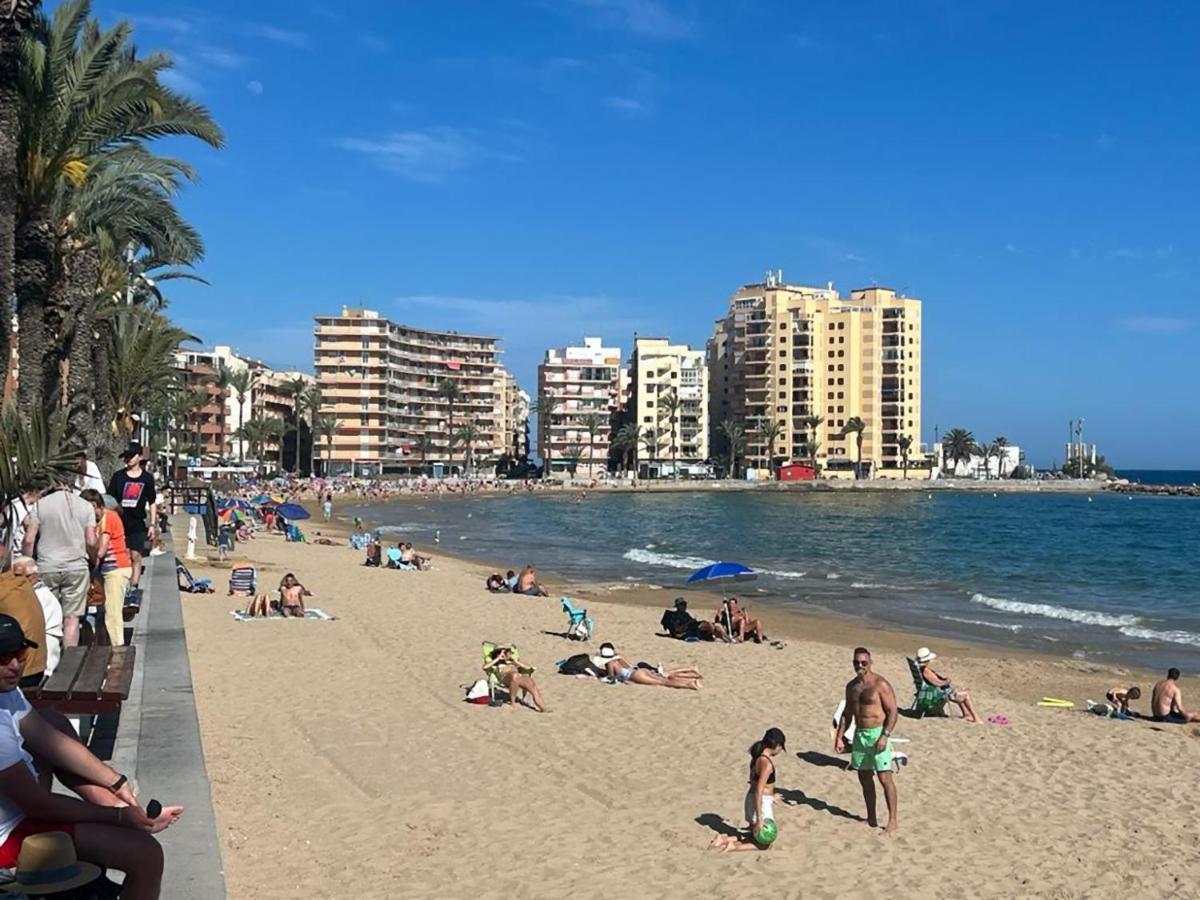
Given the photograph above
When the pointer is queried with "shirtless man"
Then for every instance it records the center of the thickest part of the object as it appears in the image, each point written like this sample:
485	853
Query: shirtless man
291	596
1166	701
871	705
528	584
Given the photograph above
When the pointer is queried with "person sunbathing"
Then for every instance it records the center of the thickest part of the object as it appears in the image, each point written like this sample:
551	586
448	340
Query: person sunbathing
413	558
740	624
620	669
260	606
680	624
1166	701
291	596
496	584
957	695
514	677
528	584
1120	697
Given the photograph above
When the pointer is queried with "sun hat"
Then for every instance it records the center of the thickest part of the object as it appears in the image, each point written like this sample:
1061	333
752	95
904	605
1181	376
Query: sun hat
47	864
12	638
607	651
924	655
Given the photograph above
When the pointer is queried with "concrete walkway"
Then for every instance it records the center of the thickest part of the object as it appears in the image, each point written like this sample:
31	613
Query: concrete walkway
158	739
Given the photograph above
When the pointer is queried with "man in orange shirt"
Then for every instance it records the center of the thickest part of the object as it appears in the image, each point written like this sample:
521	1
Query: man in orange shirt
112	559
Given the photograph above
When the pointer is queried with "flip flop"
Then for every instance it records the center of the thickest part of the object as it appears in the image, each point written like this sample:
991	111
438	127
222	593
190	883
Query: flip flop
998	720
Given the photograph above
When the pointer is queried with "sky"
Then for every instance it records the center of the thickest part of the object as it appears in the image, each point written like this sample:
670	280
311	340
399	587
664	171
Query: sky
545	169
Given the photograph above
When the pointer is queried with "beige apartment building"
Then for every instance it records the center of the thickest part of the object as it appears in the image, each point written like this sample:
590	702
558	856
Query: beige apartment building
382	382
669	402
513	416
787	352
573	384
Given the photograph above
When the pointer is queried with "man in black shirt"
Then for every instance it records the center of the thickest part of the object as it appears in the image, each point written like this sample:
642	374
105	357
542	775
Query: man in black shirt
133	489
678	623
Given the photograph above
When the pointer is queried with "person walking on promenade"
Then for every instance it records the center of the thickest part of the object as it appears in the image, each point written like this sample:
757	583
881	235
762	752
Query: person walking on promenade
871	706
133	488
60	533
111	558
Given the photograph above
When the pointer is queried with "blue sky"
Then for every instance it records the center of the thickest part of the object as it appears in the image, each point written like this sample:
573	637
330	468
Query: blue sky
541	169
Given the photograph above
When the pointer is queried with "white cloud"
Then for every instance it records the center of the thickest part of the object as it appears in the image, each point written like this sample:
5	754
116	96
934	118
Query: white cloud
173	24
255	87
1161	325
373	43
626	105
178	79
431	155
275	34
221	57
645	18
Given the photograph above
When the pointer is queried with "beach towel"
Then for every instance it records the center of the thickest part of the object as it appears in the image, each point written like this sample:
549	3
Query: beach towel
318	615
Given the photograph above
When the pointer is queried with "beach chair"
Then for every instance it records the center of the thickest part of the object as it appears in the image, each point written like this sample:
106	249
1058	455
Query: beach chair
295	535
580	626
190	584
244	579
494	682
929	699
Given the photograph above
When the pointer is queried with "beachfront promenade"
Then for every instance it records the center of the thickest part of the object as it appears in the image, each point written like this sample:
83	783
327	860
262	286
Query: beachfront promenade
158	743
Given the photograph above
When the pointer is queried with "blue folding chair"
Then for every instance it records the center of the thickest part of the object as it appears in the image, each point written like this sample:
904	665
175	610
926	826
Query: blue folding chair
189	583
580	627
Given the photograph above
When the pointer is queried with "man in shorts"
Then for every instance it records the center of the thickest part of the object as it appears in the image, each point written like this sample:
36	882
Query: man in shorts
871	705
1166	701
60	533
133	488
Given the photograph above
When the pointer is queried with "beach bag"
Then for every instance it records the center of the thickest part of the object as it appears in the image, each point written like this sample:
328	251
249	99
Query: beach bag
579	664
478	693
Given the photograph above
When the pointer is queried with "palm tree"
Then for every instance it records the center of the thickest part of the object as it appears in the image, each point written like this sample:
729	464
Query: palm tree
312	407
33	447
592	423
180	406
1000	444
422	444
253	433
296	388
767	433
627	439
811	424
574	455
467	436
670	405
985	451
957	446
274	428
88	106
16	17
449	391
242	383
545	407
904	442
650	440
856	426
221	379
142	345
326	426
735	434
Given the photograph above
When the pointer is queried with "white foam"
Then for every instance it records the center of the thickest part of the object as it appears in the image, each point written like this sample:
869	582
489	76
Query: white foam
871	586
650	558
1013	628
780	573
832	576
1049	611
1169	637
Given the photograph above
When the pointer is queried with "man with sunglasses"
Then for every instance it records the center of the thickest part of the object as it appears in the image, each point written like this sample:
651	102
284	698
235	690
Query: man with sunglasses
108	826
871	705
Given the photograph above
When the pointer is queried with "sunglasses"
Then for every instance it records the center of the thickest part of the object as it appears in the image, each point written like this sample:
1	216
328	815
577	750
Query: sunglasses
7	656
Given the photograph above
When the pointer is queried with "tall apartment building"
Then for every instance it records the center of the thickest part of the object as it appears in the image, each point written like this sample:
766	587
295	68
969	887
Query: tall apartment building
513	421
786	352
382	382
575	382
669	401
215	424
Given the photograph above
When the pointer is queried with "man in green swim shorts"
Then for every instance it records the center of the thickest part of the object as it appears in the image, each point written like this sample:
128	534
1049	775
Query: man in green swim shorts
871	705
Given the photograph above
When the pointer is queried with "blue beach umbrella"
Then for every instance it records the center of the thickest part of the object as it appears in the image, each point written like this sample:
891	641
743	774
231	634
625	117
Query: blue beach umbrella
261	499
722	573
292	511
235	503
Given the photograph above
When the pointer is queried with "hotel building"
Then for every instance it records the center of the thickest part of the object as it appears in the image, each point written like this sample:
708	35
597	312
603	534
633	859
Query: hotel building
382	382
573	383
787	352
669	401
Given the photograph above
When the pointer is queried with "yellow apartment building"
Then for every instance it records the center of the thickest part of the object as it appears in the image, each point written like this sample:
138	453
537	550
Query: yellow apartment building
787	352
381	381
669	402
573	384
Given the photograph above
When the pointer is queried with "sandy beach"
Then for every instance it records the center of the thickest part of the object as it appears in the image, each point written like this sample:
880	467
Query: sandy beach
344	762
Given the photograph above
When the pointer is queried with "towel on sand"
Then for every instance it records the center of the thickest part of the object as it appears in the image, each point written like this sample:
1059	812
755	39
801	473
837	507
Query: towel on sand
317	614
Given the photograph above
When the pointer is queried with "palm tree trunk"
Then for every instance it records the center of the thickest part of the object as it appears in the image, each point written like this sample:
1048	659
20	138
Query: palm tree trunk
450	442
241	425
102	411
34	254
83	278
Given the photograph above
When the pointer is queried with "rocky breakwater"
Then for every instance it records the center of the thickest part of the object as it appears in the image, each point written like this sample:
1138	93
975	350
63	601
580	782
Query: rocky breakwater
1162	490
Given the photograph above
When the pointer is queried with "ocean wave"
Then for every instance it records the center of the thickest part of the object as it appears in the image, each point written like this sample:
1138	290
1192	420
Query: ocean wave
832	576
780	573
402	528
872	586
1168	637
981	622
650	558
1082	616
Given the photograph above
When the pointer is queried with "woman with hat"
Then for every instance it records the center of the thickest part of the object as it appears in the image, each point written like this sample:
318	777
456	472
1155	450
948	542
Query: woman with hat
620	669
955	694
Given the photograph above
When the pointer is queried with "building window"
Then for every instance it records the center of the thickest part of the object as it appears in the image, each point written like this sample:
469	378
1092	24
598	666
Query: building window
841	368
830	411
841	381
647	418
841	409
841	340
831	338
783	367
841	353
831	367
831	381
841	326
840	395
783	395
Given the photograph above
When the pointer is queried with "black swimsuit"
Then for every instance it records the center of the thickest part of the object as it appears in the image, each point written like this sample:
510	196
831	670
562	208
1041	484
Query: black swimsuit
771	777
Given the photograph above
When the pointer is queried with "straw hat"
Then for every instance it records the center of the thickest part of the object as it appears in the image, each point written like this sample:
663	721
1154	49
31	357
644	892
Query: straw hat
925	655
47	864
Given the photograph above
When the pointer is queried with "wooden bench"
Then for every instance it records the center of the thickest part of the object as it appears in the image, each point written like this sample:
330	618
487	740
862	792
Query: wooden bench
89	681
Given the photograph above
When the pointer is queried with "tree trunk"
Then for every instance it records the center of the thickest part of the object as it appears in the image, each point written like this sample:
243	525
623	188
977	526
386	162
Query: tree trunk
83	278
102	412
34	251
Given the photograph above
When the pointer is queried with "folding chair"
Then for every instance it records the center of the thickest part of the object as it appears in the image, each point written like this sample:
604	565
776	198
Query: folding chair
580	626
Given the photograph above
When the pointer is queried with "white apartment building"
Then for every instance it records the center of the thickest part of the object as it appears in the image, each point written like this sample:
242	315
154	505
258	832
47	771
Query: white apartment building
577	386
669	404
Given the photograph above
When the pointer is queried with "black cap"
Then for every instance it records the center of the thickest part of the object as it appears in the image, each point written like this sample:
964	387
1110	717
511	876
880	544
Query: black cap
130	453
775	738
12	638
680	603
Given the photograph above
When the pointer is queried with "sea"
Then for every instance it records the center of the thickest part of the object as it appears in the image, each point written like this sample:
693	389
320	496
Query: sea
1103	577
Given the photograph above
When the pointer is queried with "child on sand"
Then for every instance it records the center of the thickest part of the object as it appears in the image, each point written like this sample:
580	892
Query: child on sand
760	796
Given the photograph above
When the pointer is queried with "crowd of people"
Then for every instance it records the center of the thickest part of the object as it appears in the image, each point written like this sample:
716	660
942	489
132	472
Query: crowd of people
72	546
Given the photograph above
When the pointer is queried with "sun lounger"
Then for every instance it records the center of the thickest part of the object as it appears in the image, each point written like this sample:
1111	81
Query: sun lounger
929	699
580	626
244	580
190	584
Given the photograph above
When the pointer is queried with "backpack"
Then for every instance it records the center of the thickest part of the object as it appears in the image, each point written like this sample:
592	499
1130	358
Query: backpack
478	693
579	664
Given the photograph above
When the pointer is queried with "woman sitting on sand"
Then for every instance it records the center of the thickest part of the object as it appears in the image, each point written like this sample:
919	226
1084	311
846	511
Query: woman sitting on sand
621	669
514	677
760	796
